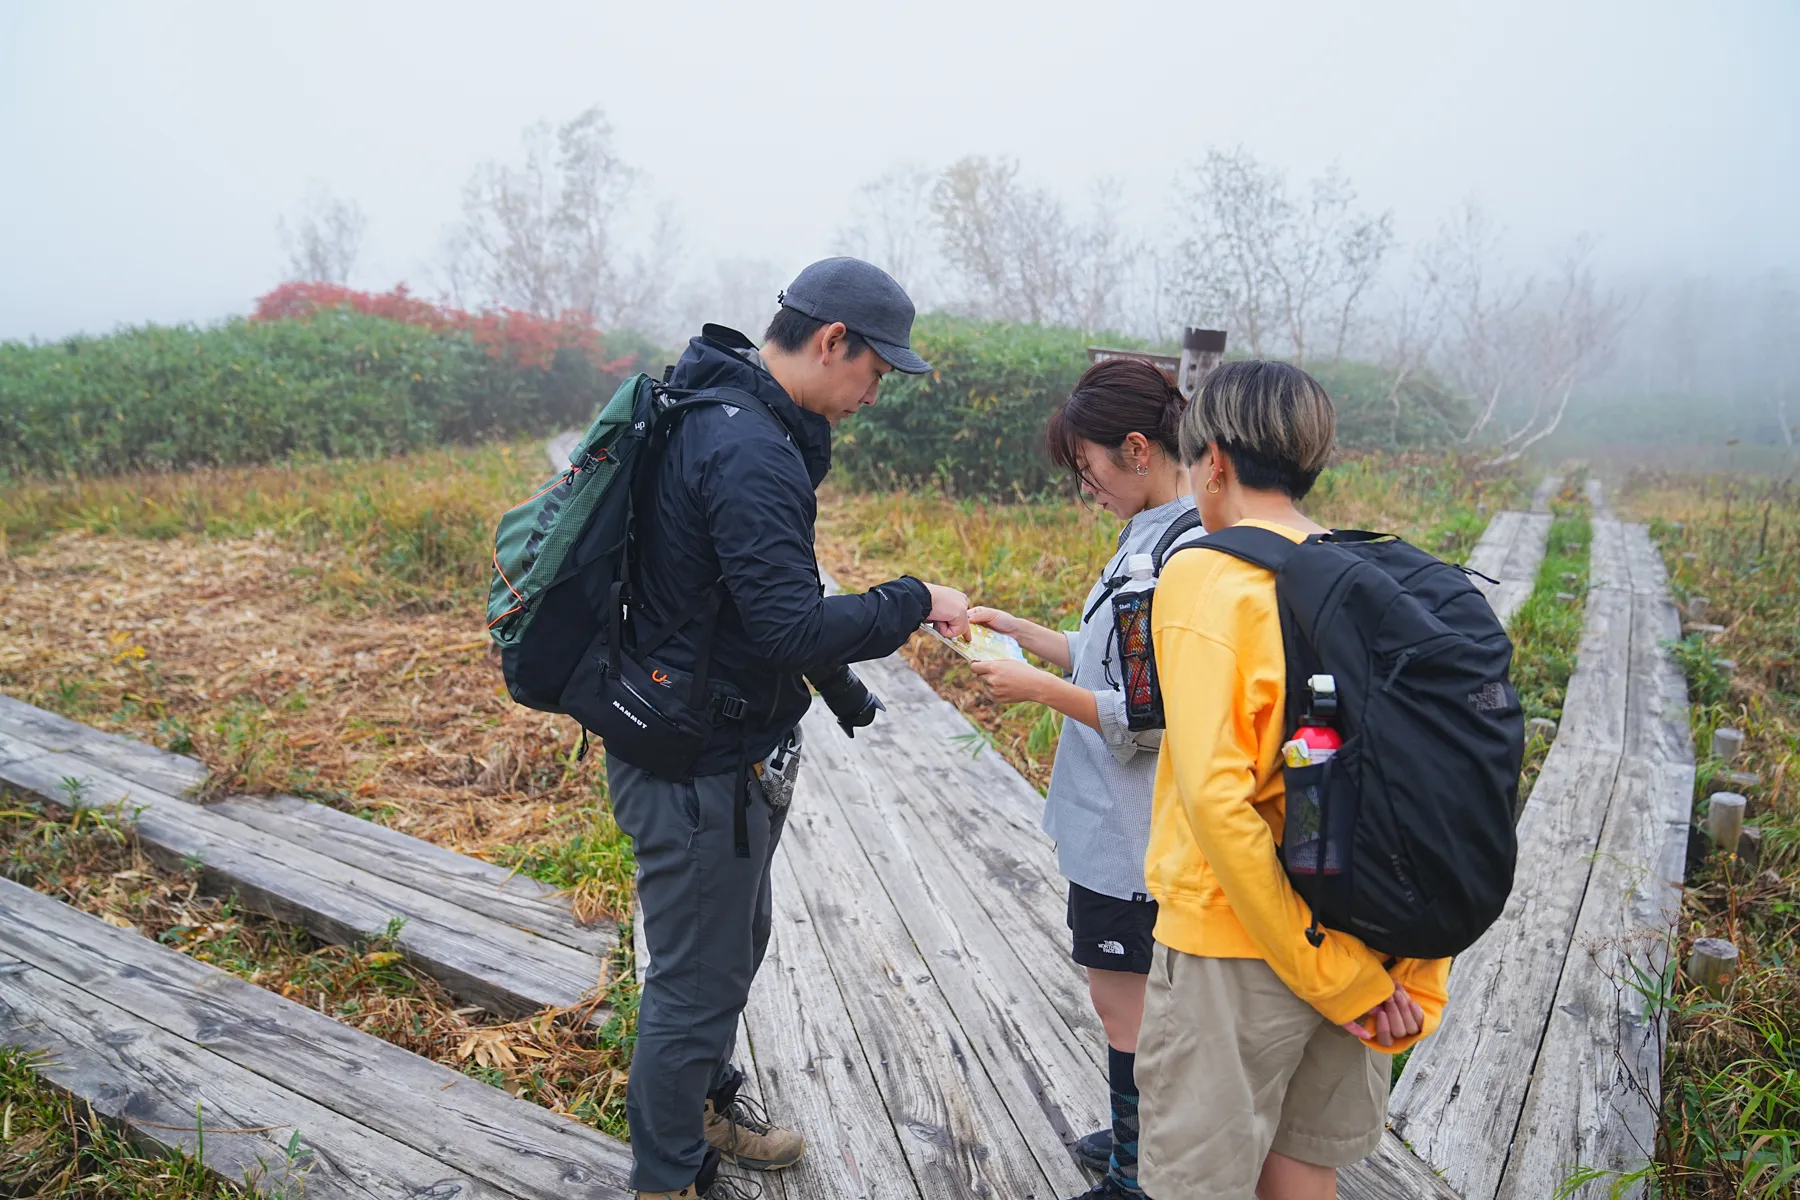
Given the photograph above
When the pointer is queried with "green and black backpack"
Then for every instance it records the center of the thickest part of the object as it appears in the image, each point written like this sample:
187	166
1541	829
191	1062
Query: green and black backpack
562	559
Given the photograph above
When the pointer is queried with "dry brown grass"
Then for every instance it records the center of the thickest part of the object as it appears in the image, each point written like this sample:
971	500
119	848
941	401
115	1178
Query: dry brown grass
214	648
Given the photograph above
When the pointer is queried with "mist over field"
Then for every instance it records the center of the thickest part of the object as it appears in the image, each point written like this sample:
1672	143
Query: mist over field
1578	217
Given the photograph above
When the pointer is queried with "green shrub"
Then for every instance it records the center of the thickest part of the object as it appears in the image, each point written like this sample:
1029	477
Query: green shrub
975	425
1375	413
338	384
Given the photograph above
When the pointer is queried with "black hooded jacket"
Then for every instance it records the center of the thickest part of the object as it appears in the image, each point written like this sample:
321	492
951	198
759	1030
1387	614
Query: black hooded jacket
732	499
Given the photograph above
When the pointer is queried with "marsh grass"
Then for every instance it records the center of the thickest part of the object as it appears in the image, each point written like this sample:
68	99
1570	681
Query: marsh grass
1731	1077
1546	630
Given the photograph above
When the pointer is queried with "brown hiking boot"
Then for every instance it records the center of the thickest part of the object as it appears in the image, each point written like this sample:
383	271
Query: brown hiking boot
709	1186
742	1133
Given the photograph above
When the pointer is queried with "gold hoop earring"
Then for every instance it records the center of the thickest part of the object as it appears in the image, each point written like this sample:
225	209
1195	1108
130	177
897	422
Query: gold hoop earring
1212	486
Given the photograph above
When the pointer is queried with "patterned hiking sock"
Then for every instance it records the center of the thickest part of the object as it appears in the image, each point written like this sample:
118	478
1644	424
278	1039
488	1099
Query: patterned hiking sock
1121	1069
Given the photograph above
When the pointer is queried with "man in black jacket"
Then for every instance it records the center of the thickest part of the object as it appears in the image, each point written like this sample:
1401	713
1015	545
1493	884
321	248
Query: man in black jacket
732	501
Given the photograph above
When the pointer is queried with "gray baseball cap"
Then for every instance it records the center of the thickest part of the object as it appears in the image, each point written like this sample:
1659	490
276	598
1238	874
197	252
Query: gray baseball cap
866	299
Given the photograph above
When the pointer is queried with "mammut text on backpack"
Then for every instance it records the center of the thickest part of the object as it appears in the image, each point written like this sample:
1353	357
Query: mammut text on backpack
1422	788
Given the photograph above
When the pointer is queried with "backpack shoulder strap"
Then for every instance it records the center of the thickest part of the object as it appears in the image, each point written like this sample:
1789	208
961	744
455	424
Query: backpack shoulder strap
1260	547
1181	526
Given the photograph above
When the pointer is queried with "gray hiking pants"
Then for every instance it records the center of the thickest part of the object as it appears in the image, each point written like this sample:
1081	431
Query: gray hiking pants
706	925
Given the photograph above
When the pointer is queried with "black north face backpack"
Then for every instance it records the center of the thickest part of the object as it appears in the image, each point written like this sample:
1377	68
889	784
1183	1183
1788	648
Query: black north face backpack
1415	809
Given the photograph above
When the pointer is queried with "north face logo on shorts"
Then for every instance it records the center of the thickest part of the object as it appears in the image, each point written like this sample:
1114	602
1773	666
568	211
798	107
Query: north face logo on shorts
1112	947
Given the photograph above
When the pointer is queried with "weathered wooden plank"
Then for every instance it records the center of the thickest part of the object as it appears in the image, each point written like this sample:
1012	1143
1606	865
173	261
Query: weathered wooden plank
171	774
166	1090
506	896
491	964
12	749
1392	1173
1459	1099
815	1070
1495	545
1052	1089
1594	702
1595	1087
1527	553
1644	565
1595	1091
516	1146
955	1129
986	819
1608	566
1657	709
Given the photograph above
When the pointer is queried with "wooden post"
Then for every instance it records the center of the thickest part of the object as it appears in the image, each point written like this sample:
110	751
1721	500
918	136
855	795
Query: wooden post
1727	744
1201	350
1696	608
1743	781
1725	819
1749	849
1712	965
1542	727
1200	353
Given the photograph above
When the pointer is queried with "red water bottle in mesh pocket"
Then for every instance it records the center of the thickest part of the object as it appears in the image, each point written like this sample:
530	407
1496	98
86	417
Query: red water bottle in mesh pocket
1137	656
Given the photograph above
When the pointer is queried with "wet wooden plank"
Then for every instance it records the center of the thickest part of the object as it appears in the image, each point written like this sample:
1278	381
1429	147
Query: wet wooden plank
1608	564
165	1091
171	774
1495	545
1546	491
1595	1087
491	964
986	820
1527	552
1458	1101
815	1069
481	887
956	1132
477	1130
1050	1086
1594	702
1392	1173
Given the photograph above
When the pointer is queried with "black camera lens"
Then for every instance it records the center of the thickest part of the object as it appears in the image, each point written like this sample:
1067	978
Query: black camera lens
849	699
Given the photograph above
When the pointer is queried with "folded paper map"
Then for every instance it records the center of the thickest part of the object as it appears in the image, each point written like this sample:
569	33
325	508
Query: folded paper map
981	645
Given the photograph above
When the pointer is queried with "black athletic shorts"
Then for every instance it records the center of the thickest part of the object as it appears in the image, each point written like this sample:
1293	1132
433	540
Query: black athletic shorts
1111	934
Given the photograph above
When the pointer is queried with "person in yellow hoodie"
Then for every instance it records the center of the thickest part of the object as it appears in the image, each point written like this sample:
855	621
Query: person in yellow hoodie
1264	1060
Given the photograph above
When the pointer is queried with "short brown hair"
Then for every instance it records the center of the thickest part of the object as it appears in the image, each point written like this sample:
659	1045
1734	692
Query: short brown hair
1113	400
1273	419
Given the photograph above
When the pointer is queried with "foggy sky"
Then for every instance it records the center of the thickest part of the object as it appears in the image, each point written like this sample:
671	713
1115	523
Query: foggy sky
146	150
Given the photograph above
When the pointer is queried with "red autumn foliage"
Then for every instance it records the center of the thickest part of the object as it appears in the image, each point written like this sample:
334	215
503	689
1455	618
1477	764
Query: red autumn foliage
516	338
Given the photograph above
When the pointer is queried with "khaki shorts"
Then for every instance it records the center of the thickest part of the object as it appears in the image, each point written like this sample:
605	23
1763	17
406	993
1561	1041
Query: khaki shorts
1232	1065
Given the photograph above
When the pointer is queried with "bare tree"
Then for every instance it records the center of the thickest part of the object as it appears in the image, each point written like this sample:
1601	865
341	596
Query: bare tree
325	238
1482	304
552	234
1018	253
1287	275
893	226
1564	342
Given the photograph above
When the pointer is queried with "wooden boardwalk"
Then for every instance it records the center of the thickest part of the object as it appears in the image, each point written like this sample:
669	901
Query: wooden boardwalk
1546	1061
918	1015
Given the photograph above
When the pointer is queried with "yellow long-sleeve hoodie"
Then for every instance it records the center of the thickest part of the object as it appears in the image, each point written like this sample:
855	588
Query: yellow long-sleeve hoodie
1217	811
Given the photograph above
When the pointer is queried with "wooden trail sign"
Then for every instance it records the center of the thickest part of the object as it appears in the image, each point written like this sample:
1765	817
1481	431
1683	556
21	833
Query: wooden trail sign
1201	350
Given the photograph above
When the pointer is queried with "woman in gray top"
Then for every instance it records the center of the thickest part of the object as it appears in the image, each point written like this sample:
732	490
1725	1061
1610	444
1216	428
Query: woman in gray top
1116	434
